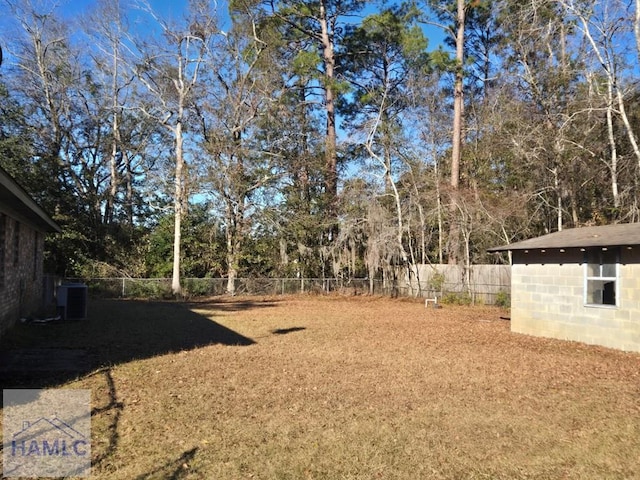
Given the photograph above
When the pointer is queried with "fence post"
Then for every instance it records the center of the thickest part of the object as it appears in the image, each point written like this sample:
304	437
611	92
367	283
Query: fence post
123	291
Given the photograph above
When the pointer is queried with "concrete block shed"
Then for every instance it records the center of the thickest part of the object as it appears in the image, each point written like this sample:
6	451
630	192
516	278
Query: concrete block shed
580	284
23	226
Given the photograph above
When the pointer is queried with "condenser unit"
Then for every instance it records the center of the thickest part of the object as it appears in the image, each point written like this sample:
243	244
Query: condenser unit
72	301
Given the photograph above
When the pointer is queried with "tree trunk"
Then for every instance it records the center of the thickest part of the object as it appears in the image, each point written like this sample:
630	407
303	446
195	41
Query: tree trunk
232	273
331	181
556	185
128	177
234	235
177	206
115	140
113	175
235	230
233	249
456	147
613	162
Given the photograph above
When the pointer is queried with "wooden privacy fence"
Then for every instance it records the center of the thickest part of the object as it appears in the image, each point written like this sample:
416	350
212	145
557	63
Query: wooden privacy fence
489	284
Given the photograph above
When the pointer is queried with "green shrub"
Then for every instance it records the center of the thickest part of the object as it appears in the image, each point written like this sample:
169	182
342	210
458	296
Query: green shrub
436	282
502	299
153	289
197	287
456	298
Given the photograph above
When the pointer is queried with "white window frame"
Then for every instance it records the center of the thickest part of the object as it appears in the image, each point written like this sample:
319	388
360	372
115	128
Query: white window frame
601	276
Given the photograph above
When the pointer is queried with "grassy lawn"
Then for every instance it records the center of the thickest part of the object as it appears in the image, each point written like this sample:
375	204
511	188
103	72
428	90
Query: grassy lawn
343	388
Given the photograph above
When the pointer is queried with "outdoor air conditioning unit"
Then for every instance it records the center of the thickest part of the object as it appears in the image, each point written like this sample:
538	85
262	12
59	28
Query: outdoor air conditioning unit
72	301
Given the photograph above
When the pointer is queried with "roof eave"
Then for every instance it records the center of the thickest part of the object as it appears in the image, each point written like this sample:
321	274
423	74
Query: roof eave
514	248
41	219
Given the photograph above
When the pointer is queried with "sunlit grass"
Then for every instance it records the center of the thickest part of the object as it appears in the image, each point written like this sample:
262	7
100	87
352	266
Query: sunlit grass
357	388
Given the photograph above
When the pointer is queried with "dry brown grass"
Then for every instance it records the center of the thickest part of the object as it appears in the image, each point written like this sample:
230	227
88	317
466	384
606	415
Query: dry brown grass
359	388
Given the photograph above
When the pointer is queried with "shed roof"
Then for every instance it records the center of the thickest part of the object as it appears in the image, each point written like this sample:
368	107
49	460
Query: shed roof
618	235
15	201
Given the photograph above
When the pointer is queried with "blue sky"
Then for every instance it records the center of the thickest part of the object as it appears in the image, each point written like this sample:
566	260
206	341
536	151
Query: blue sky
166	7
173	9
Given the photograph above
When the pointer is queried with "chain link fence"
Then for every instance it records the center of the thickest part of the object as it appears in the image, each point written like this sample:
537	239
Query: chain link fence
202	287
160	288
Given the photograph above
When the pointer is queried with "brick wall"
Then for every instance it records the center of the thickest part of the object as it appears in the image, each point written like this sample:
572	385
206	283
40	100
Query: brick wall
21	257
547	300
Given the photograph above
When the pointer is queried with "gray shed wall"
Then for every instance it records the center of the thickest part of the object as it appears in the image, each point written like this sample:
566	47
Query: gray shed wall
547	299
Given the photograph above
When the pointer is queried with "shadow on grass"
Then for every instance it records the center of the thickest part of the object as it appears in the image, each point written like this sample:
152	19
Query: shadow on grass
109	413
116	331
107	416
230	305
284	331
174	469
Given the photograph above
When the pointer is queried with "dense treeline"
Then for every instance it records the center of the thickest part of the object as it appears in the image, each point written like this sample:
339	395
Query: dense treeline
317	138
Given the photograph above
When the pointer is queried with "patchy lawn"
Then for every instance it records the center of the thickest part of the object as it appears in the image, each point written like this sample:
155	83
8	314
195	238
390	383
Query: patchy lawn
343	388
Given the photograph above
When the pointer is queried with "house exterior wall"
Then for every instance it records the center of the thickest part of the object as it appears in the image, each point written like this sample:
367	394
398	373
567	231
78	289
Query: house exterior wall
547	299
21	278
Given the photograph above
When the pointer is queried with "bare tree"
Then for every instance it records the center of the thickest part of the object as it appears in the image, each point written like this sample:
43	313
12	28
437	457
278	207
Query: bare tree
542	69
107	27
241	91
603	26
46	64
389	180
171	72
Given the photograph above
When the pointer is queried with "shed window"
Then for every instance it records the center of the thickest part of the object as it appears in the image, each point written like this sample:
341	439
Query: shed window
601	276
